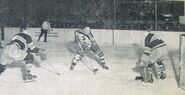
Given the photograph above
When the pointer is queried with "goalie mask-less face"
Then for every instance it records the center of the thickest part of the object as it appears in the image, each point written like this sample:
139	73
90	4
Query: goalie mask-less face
87	29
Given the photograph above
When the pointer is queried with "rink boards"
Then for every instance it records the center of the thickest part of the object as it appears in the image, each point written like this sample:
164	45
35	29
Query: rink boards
103	36
182	62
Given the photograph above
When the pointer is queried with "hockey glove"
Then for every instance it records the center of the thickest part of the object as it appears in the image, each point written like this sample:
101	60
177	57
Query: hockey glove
42	54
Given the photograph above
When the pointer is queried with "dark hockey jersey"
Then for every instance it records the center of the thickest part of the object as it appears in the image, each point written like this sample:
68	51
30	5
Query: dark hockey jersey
152	42
24	42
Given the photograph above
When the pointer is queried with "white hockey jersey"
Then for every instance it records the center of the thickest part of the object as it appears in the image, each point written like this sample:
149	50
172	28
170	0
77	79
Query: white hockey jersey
85	38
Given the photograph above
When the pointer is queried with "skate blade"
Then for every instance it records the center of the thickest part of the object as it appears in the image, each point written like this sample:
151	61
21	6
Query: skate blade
28	81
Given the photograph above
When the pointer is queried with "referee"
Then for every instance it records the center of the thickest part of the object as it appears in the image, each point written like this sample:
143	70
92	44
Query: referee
44	30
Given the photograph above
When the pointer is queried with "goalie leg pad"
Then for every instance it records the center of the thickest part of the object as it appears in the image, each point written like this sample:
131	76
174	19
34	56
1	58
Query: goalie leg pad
29	58
26	73
147	73
160	70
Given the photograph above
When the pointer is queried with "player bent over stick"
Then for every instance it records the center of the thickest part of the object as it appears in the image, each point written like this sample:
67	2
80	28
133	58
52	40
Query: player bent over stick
87	43
152	59
20	49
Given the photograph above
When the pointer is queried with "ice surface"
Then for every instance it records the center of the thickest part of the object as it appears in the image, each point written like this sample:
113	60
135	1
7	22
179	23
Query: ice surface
119	80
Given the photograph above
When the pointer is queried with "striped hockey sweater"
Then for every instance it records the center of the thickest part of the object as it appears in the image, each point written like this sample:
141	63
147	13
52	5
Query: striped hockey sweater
24	42
84	37
152	42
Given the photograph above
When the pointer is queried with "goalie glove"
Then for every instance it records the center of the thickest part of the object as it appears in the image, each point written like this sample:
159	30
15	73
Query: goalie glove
42	54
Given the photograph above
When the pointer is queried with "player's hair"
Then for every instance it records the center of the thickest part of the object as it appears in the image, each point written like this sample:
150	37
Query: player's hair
82	26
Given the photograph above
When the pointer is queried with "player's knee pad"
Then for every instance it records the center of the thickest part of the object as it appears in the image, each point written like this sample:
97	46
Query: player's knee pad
80	52
76	59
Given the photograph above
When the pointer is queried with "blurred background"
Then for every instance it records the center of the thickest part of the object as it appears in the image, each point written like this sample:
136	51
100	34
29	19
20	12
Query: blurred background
165	15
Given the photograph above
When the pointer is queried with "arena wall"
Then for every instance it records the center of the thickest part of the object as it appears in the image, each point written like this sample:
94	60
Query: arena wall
102	36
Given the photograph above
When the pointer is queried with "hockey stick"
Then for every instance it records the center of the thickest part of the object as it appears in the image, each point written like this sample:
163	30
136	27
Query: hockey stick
88	66
54	70
50	71
52	67
42	58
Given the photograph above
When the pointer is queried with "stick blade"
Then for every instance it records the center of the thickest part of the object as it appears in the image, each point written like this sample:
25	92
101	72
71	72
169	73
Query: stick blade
58	74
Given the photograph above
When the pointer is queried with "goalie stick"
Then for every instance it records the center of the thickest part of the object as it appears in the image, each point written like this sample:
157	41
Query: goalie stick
52	69
94	70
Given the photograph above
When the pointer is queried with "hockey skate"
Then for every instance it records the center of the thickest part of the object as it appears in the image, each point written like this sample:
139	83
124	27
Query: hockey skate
104	66
2	68
95	70
139	78
28	77
142	79
72	66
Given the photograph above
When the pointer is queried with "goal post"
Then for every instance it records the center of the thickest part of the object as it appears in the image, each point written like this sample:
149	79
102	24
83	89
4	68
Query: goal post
181	76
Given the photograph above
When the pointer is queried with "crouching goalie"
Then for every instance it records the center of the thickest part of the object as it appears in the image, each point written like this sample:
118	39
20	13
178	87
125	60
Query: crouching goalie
152	59
20	49
86	42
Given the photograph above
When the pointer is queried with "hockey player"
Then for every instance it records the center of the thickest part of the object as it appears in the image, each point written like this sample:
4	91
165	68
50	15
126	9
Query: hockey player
152	59
20	49
87	42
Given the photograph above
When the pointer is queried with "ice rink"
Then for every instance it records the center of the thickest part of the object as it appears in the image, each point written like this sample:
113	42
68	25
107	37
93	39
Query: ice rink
119	80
